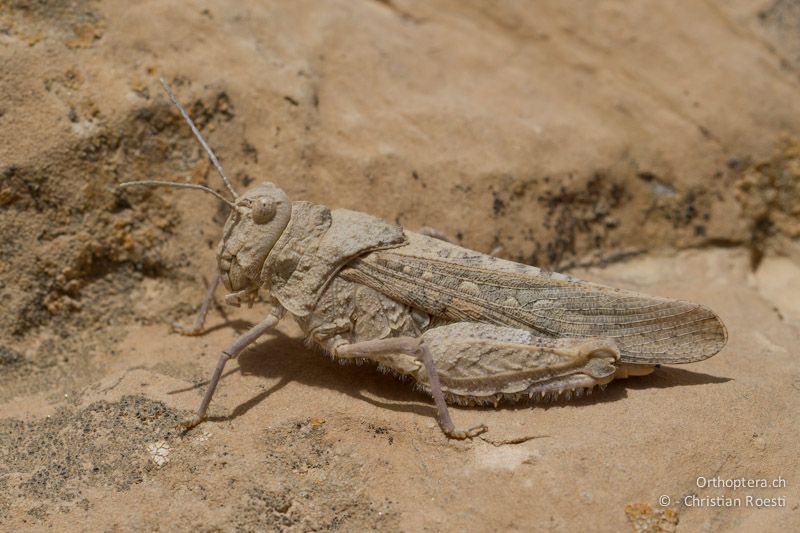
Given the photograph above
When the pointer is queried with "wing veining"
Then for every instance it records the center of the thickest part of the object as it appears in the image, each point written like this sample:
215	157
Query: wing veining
457	284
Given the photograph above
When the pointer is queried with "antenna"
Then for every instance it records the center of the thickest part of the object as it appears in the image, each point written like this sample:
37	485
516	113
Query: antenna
180	186
196	132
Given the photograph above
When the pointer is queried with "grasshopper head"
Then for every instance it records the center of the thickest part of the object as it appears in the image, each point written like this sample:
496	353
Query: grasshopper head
256	222
252	229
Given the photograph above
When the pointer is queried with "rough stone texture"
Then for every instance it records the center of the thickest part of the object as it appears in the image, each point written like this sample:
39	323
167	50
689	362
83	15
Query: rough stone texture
566	133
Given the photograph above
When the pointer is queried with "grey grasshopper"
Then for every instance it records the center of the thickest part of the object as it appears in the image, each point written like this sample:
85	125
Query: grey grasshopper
468	328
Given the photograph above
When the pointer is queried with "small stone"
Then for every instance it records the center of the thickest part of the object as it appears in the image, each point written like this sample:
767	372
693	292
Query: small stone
159	452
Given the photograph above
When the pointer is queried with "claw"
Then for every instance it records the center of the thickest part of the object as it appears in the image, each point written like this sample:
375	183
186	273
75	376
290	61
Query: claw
193	331
192	422
460	434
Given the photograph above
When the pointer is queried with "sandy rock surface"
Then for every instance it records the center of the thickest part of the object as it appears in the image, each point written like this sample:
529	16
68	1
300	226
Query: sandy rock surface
640	145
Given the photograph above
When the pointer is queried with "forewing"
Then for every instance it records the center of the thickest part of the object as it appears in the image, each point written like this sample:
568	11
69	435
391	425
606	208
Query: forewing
456	284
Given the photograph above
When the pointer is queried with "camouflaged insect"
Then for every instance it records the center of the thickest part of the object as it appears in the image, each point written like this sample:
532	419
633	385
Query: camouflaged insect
469	328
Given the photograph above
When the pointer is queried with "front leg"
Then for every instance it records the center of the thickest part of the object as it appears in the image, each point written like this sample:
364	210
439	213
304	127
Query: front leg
229	353
415	347
197	327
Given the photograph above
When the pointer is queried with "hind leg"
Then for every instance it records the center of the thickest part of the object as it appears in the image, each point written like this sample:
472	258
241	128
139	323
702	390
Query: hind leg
484	363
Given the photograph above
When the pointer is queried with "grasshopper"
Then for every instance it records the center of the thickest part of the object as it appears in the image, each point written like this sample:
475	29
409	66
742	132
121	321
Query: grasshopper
467	327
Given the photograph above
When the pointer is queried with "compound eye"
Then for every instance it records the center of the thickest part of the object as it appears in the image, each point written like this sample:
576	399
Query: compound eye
263	210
